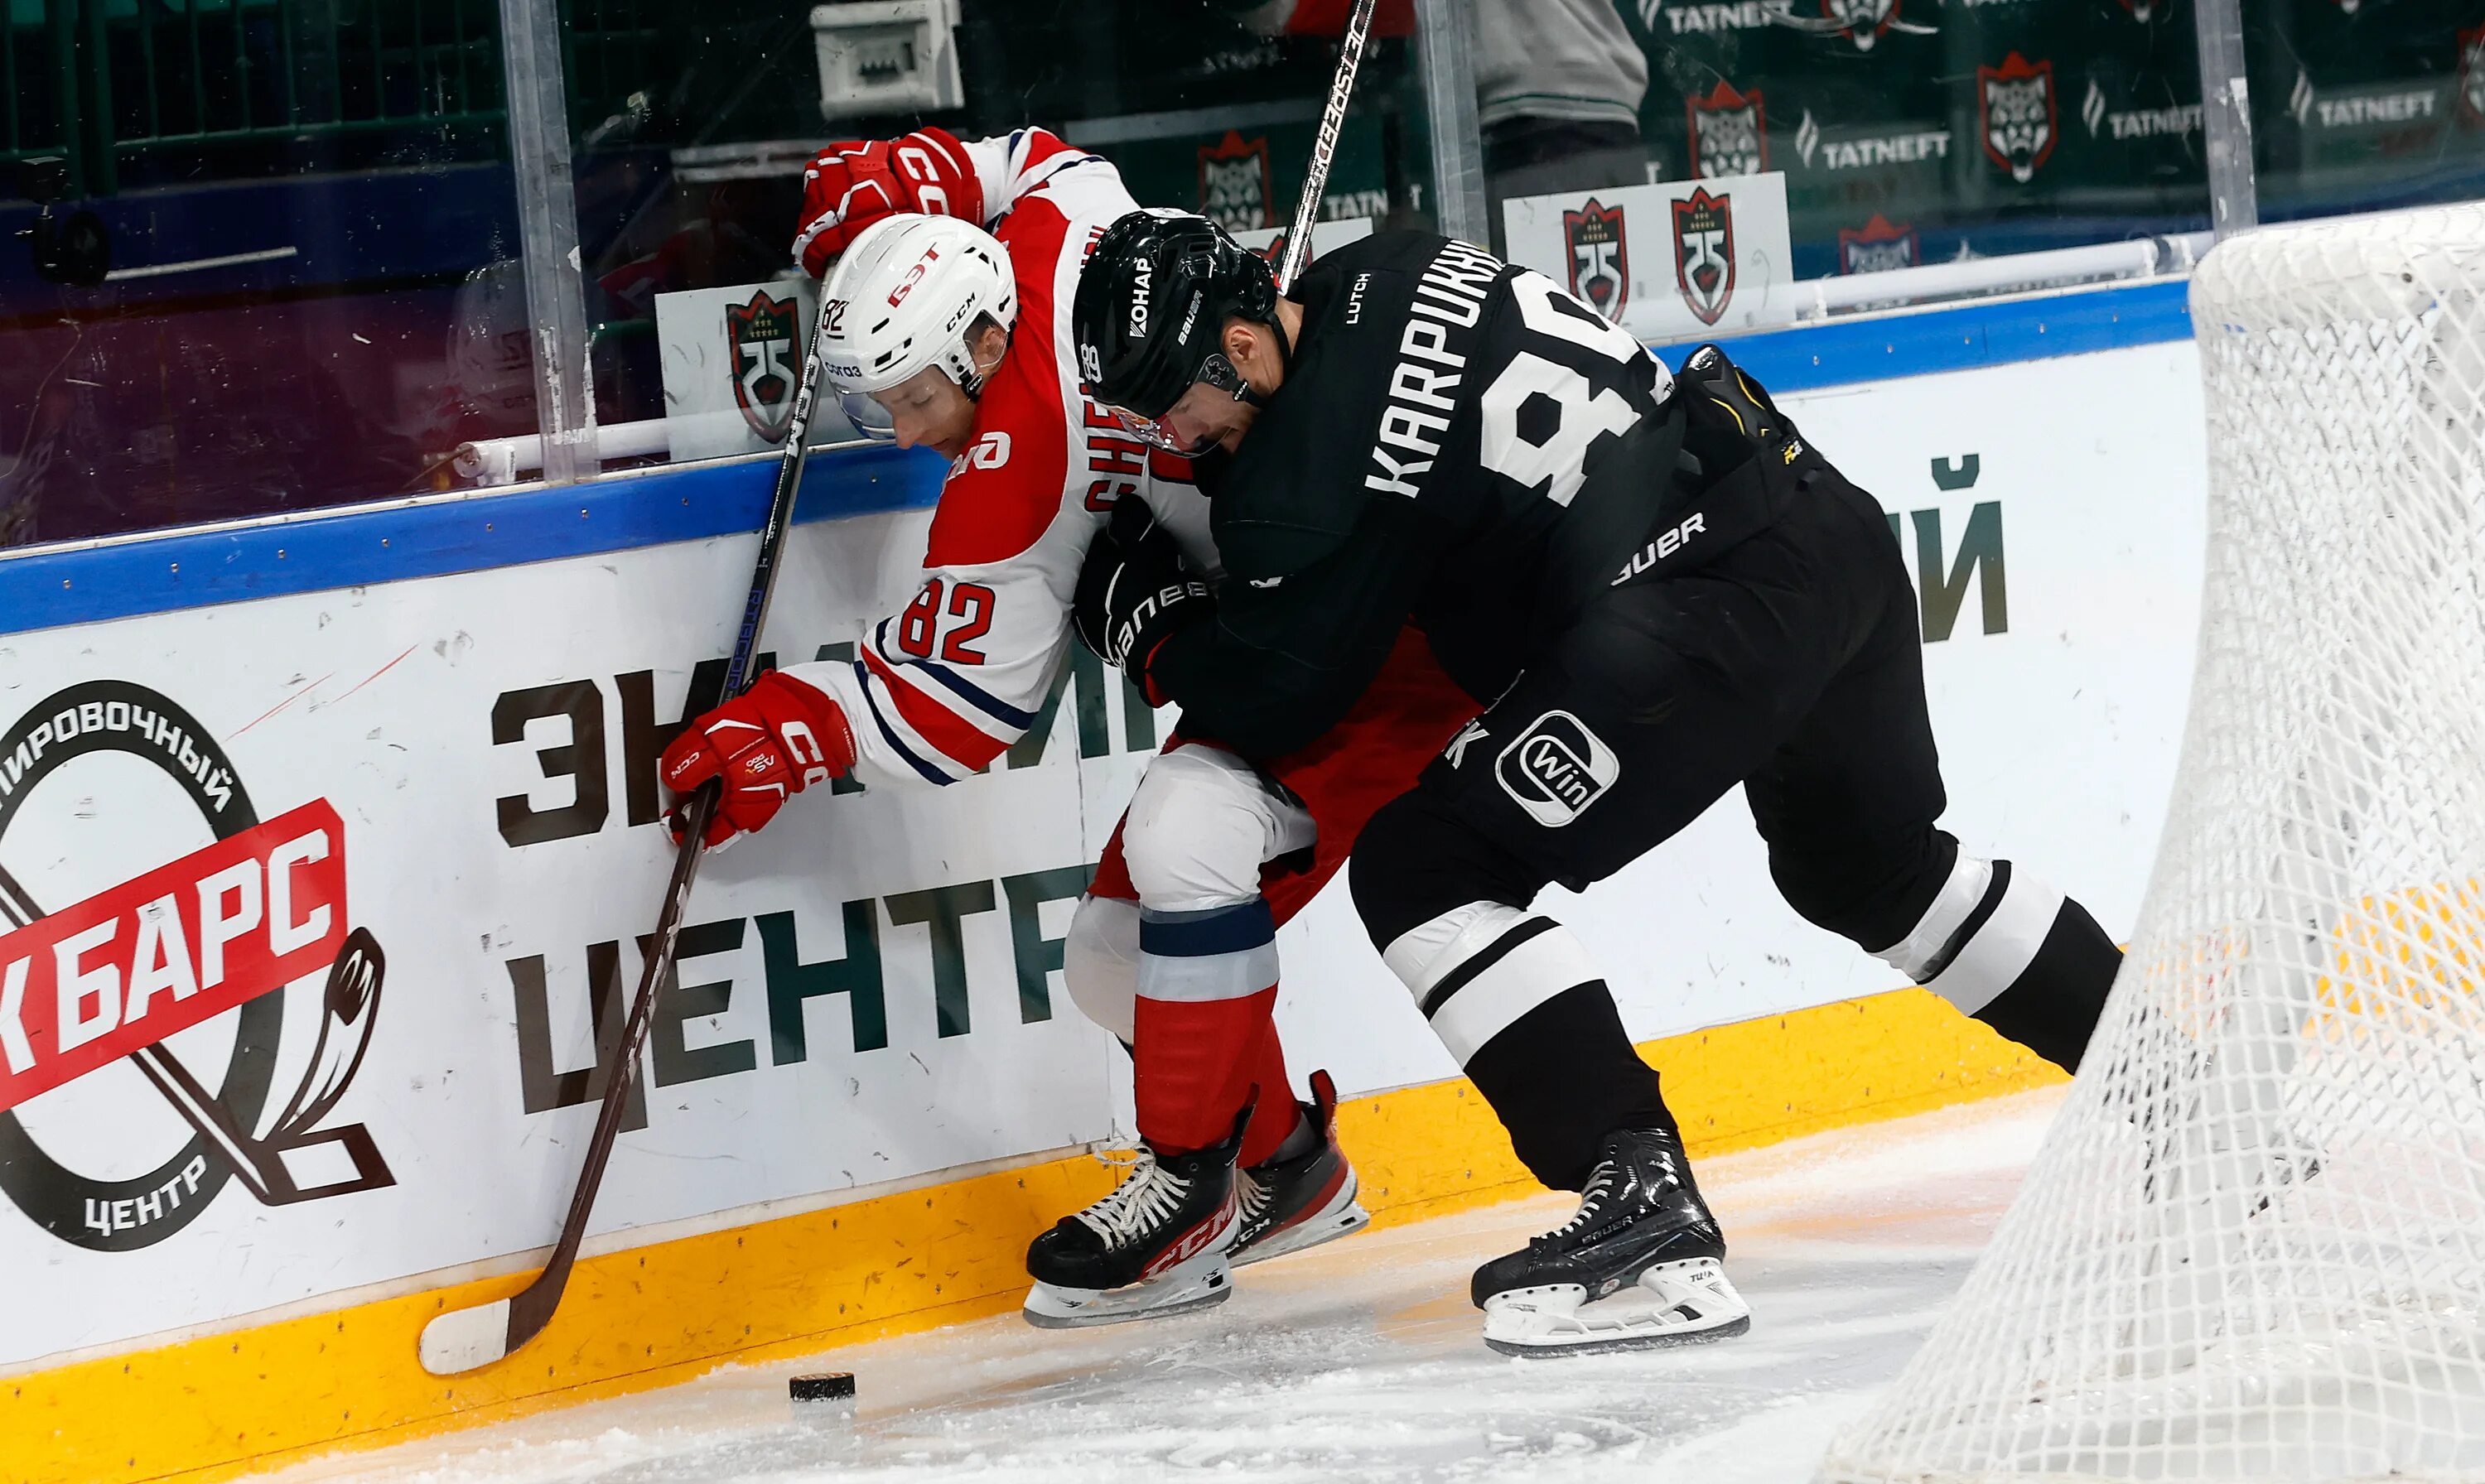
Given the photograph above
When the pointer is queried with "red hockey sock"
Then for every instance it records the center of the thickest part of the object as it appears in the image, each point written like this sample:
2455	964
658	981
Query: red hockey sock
1196	1060
1277	1114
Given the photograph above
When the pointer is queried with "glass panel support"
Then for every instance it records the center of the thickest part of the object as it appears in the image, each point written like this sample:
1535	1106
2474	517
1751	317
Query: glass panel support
548	236
1445	56
2225	116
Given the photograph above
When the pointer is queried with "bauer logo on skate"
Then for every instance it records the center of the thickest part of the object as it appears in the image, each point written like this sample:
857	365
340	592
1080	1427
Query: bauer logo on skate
1556	768
214	932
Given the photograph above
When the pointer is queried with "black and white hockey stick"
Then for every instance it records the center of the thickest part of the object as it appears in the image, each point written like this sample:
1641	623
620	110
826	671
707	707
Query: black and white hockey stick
463	1339
1341	87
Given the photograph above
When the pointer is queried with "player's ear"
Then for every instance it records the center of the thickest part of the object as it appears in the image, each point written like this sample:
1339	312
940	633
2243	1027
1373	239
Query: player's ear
1248	347
988	343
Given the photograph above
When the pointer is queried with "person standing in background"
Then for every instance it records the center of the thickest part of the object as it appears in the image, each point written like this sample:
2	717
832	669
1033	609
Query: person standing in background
1558	87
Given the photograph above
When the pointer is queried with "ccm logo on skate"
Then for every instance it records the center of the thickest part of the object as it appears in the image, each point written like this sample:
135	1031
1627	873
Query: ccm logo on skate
1556	768
1192	1243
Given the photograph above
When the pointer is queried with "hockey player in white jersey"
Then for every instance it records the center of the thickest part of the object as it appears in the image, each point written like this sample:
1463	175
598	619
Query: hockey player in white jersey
941	334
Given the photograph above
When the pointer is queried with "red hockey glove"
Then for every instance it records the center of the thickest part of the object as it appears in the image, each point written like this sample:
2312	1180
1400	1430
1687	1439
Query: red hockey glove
855	182
775	740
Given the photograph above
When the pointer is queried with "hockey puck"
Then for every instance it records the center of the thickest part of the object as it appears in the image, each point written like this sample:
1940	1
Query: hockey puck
830	1385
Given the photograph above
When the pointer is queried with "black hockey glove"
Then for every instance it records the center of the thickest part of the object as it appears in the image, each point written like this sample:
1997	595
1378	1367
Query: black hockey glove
1132	590
1731	418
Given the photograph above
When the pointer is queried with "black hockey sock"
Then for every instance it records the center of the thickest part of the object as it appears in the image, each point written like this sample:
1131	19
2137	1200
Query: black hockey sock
2052	1008
1561	1078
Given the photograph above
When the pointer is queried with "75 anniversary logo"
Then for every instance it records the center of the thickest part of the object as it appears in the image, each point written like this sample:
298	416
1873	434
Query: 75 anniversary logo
121	930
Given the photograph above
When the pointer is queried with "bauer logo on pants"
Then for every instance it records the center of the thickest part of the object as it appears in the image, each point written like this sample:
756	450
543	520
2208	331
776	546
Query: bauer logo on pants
102	962
1556	768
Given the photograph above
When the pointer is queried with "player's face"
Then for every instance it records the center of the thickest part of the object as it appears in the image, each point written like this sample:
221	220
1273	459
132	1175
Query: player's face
929	410
1207	415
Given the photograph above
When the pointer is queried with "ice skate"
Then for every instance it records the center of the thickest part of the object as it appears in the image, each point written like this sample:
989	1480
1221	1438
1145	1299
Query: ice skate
1289	1205
1641	1264
1156	1245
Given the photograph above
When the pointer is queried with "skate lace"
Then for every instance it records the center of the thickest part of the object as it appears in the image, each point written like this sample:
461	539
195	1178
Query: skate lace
1592	1201
1254	1197
1138	1205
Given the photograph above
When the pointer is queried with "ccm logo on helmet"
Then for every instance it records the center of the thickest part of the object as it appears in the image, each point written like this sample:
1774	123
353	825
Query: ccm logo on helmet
914	276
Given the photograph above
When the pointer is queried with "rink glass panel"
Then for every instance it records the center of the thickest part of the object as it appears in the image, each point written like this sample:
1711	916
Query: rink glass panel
2364	105
323	192
309	210
1909	132
691	136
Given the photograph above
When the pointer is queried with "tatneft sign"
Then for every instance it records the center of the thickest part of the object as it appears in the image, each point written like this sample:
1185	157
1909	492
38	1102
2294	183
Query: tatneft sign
1683	261
319	907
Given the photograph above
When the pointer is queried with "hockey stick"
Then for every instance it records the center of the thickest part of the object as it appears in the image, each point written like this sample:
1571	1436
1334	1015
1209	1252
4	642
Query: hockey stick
463	1339
468	1338
1350	59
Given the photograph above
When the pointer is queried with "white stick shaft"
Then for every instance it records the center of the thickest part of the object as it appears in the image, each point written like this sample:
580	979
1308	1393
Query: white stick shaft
1350	58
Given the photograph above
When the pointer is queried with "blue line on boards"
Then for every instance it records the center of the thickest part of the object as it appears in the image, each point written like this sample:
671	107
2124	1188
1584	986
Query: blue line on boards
355	548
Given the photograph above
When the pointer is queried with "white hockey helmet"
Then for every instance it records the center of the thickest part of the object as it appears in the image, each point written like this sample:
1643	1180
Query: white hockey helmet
902	298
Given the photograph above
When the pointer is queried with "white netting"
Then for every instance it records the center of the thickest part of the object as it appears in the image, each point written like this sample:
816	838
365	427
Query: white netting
2253	1248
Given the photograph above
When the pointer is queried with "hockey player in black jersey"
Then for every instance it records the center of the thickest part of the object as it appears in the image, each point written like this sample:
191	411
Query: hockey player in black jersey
1662	591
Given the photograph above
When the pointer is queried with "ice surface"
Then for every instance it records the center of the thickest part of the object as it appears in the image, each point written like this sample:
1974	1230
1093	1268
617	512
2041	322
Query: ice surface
1359	1360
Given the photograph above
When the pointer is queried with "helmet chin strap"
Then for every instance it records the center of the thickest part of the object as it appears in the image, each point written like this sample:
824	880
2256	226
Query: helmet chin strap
977	375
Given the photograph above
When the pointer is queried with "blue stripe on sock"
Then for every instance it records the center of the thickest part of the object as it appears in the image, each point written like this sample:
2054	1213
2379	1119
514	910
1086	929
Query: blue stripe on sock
1226	929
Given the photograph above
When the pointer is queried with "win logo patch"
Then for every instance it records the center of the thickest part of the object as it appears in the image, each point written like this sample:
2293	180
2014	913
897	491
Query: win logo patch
1556	768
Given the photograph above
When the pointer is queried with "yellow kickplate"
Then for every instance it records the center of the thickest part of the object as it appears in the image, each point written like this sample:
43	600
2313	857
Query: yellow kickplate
211	1408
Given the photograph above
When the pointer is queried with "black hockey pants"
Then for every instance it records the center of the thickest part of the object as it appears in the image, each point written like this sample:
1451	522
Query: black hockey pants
1790	662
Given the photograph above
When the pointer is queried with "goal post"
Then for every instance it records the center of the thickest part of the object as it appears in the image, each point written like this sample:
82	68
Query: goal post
2253	1247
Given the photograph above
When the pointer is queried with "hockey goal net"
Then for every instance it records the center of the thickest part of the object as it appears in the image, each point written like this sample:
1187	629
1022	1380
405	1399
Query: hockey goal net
2253	1248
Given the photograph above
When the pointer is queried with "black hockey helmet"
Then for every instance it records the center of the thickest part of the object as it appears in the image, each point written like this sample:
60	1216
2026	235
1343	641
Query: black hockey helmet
1150	313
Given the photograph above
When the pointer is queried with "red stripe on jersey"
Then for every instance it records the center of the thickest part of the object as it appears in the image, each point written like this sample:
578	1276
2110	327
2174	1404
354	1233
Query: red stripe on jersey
991	511
956	738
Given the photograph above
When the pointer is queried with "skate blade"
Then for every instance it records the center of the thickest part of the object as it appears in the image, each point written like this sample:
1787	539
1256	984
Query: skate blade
1687	1303
1343	1216
1202	1282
